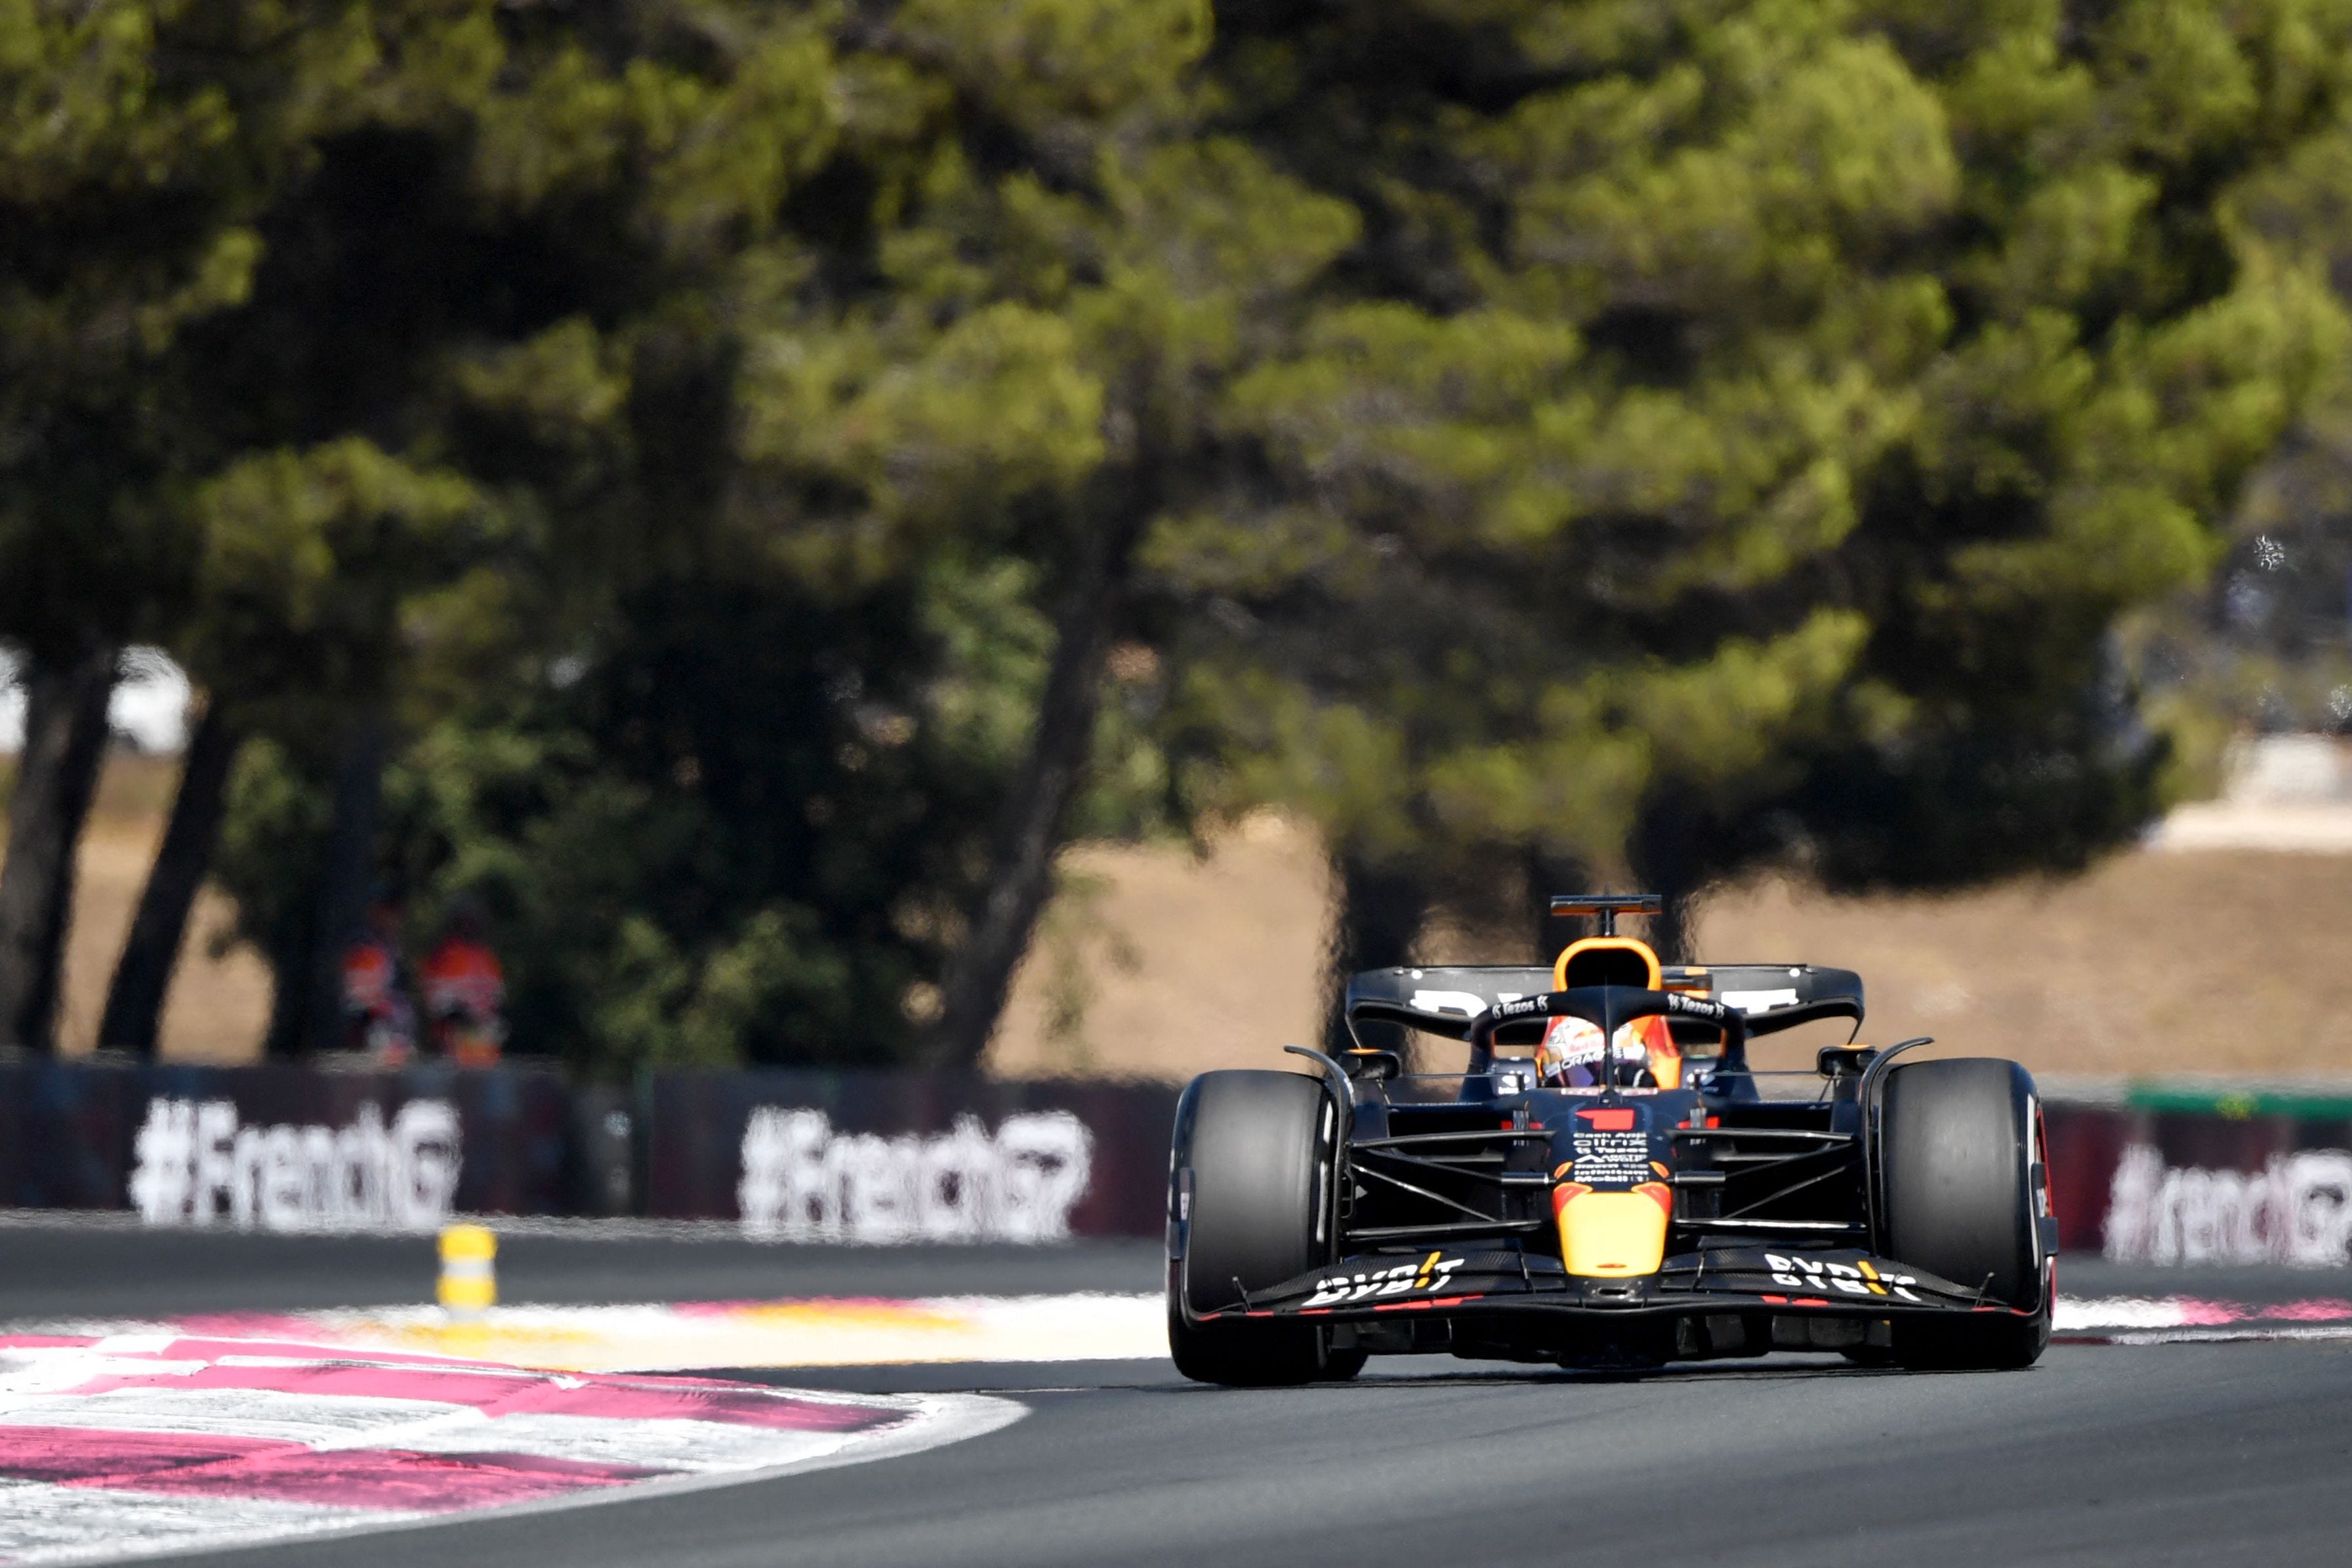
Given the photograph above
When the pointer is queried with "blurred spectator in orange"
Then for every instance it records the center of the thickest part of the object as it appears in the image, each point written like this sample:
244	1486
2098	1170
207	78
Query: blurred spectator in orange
465	987
379	1018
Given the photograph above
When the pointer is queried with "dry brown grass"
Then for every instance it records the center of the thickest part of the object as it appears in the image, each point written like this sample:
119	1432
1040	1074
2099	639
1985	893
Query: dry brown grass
1160	965
2152	964
218	1007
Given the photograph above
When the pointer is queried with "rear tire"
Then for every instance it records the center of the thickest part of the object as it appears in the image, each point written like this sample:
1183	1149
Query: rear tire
1960	1173
1258	1151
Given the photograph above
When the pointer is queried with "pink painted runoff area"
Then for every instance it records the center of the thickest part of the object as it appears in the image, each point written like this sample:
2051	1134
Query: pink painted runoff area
171	1463
503	1392
2196	1313
58	1426
380	1478
108	1456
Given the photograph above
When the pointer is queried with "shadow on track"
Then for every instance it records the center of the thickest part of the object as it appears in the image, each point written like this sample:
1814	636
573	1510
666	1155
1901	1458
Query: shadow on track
1383	1375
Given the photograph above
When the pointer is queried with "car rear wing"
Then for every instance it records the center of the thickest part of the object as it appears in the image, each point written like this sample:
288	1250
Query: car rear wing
1445	1000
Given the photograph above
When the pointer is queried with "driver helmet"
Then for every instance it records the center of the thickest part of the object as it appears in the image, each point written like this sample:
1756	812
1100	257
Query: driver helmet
1569	1056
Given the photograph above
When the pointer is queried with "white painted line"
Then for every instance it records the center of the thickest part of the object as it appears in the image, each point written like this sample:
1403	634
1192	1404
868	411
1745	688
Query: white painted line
687	1336
940	1421
43	1522
314	1420
2182	1320
687	1446
2115	1313
864	1332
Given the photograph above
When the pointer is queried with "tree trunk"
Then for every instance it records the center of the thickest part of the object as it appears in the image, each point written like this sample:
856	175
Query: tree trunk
1379	916
65	744
1667	859
1674	931
290	996
344	880
1030	833
142	976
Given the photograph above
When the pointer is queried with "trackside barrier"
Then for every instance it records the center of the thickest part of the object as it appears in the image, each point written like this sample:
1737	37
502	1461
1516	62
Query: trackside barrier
794	1156
895	1157
2154	1175
2177	1176
283	1147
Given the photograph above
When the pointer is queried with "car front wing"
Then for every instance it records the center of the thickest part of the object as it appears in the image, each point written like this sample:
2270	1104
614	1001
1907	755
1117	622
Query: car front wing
1846	1282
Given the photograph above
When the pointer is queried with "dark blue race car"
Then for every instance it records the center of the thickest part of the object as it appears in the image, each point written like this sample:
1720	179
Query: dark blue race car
1607	1182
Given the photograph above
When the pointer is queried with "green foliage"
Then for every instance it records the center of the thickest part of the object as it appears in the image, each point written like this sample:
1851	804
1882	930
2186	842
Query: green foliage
1768	414
1651	437
272	836
308	560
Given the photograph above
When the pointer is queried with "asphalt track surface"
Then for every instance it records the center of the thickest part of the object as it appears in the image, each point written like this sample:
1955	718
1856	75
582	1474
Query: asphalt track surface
2177	1453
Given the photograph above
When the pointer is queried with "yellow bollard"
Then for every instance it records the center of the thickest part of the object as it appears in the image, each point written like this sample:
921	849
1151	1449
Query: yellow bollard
469	1280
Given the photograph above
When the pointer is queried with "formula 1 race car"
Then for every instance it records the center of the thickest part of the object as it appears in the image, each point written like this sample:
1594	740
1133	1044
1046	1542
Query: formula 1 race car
1607	1182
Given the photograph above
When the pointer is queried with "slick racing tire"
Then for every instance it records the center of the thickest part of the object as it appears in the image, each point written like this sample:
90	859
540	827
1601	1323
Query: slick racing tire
1256	1153
1961	1174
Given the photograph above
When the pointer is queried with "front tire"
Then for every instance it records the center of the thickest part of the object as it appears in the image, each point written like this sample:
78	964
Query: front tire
1961	1176
1251	1199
